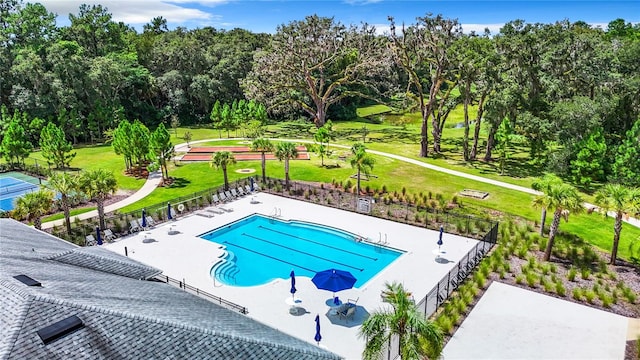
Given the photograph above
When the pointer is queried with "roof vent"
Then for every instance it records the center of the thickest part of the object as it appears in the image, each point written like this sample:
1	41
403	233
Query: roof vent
27	280
60	329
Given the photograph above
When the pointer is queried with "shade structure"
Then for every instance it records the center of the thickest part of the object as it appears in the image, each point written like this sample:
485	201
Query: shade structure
98	236
293	283
440	237
318	337
144	218
334	280
169	211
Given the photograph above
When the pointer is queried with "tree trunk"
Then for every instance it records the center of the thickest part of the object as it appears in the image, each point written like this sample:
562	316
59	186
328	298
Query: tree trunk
65	209
226	179
100	205
617	228
552	233
321	115
476	131
465	140
358	187
37	223
490	141
424	131
543	219
436	132
264	167
286	173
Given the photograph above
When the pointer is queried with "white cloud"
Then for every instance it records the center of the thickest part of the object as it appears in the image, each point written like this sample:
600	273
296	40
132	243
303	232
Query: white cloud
479	28
136	12
382	29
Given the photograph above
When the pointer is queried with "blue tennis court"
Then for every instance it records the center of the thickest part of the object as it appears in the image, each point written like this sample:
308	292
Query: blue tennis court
12	188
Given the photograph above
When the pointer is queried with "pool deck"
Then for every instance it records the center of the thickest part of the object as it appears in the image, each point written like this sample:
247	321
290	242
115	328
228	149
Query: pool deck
186	257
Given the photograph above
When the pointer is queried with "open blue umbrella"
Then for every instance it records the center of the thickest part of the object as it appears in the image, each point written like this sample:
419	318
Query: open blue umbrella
98	236
318	337
169	211
293	283
144	218
333	280
440	237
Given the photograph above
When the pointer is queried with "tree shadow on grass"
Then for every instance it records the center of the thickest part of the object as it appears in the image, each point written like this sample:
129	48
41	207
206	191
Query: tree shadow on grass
179	183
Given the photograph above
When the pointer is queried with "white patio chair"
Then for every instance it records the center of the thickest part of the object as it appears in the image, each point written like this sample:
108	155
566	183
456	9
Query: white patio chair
134	226
89	240
150	221
108	235
234	193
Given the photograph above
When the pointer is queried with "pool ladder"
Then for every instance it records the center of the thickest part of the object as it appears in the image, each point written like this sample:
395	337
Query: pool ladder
277	212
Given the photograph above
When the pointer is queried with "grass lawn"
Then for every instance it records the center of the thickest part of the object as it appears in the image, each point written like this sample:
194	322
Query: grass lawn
397	134
194	177
73	213
100	157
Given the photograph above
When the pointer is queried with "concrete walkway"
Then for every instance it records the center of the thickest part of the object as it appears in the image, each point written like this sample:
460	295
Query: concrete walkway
152	182
635	222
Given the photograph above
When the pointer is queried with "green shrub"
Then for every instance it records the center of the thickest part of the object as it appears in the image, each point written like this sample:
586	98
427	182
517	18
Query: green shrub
531	278
522	251
445	324
546	269
585	273
480	280
577	293
605	299
519	279
571	274
546	284
502	273
590	295
560	290
553	268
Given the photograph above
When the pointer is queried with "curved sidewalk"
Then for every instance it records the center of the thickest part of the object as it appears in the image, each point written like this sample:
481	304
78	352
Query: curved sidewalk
152	182
630	220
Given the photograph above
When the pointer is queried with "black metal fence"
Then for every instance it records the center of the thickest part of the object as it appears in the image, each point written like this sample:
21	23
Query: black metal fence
421	213
430	303
203	294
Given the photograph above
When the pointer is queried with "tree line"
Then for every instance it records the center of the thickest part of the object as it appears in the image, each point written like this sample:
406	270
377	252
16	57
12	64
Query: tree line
566	90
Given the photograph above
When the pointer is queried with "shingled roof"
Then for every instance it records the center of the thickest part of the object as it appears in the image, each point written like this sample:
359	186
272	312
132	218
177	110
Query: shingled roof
123	316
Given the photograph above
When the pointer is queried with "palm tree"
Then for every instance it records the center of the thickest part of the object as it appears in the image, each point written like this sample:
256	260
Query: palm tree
406	322
221	160
66	185
361	161
619	199
563	199
33	205
542	184
97	185
263	146
286	151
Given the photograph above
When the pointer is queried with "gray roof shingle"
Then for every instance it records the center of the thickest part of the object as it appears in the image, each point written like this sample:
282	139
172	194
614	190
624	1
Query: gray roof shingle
123	317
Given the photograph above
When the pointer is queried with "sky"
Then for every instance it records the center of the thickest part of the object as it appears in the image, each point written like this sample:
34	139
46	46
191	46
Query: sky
266	15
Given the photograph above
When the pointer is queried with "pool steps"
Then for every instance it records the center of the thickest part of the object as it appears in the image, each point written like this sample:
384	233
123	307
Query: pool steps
226	270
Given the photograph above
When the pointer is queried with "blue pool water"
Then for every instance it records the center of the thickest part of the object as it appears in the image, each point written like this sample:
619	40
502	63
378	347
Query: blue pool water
261	249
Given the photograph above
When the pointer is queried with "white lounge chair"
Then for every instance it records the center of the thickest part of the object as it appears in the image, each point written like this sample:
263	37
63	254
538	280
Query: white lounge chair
225	208
150	221
229	195
134	226
89	240
223	197
247	189
215	198
214	209
108	235
234	193
241	191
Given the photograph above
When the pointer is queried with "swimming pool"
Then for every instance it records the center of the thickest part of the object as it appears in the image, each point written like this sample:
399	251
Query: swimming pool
261	249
